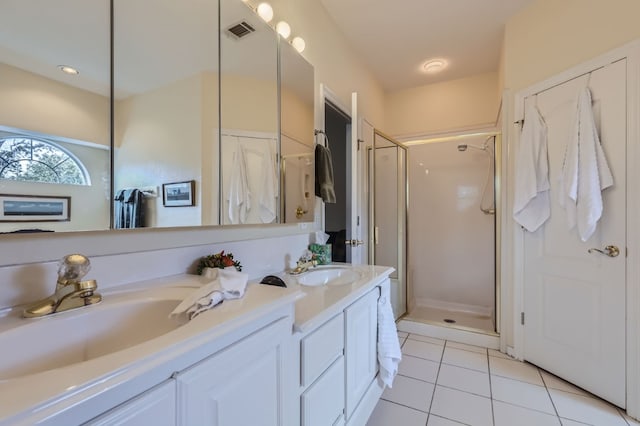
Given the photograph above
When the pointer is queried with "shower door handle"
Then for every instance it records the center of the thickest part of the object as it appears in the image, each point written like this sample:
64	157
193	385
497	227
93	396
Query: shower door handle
611	251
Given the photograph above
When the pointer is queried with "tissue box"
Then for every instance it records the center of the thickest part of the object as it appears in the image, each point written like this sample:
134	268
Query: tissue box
322	252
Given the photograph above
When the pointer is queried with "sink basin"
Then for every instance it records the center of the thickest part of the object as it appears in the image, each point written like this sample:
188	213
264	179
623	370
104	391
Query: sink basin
118	322
332	275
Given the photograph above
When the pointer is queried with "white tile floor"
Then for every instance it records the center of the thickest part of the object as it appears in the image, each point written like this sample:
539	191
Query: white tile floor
442	383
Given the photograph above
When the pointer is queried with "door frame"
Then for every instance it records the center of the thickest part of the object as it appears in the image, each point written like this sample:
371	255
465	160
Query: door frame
514	253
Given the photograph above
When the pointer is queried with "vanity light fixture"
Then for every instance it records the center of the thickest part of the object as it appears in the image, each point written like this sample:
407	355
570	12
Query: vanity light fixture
298	44
434	66
265	11
68	70
284	29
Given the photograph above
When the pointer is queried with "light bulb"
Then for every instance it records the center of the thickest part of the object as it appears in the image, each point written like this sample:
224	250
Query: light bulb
283	29
298	44
265	11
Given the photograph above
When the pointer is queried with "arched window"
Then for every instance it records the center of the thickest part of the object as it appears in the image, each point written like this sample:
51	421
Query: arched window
35	160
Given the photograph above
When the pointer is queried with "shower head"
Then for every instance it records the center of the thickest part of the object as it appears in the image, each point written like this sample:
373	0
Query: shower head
462	147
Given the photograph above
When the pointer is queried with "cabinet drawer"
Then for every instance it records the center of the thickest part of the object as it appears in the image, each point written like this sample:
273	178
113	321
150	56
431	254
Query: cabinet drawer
323	403
321	348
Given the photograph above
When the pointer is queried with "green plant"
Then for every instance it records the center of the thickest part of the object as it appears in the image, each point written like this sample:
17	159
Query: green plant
218	260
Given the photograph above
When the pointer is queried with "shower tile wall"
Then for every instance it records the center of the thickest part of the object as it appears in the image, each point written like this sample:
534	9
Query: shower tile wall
451	242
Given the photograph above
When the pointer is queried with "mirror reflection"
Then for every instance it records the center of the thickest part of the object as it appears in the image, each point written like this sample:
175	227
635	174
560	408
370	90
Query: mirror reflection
166	113
297	142
54	115
249	117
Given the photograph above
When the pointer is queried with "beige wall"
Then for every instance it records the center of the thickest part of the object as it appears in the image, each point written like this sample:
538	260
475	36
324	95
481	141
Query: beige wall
336	64
465	103
38	104
550	36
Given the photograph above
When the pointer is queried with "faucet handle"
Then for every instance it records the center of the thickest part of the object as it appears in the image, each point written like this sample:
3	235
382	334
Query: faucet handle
73	267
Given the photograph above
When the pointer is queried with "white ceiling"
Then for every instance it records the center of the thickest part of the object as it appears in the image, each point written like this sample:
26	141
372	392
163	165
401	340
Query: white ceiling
394	38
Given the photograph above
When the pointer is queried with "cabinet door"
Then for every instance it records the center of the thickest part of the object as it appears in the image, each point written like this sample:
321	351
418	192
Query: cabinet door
243	384
361	329
156	407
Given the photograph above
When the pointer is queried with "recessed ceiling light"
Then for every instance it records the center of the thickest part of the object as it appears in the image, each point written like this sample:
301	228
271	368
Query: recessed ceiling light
68	70
433	66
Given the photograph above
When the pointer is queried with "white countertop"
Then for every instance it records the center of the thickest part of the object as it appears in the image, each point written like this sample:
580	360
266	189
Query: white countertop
96	383
139	367
318	304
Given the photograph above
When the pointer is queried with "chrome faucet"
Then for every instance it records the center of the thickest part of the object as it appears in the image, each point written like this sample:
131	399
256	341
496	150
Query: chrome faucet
306	261
70	292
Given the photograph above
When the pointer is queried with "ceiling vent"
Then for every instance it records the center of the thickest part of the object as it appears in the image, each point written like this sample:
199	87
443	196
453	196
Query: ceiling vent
240	30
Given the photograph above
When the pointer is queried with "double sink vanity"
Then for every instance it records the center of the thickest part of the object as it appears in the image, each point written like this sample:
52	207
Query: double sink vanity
304	354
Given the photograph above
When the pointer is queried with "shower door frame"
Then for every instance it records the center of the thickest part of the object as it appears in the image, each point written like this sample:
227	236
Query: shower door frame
403	211
499	164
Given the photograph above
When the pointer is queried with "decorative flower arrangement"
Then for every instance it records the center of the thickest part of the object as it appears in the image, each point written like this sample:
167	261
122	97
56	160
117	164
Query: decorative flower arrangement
218	260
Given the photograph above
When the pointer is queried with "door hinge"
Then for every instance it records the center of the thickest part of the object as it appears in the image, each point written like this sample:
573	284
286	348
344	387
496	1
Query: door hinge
522	318
359	142
358	221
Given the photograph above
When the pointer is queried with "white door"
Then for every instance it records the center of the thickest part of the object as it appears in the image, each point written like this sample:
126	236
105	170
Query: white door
354	195
574	301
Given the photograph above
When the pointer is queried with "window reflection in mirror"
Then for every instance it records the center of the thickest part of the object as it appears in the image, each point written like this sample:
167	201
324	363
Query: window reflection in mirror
249	117
49	116
297	142
166	110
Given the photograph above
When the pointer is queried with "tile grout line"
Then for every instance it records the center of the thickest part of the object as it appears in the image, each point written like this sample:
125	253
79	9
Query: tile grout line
493	413
435	385
553	404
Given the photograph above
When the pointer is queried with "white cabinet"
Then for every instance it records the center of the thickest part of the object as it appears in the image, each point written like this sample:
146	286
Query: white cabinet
156	407
244	384
361	331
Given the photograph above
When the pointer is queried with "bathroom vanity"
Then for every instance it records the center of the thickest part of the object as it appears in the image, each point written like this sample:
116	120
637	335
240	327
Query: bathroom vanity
278	356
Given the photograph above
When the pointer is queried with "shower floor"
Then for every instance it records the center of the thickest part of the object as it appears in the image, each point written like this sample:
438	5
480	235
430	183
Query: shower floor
462	319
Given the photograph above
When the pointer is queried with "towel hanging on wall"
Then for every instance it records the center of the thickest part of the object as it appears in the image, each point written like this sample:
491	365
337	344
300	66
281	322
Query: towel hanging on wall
585	172
531	207
324	174
269	192
239	195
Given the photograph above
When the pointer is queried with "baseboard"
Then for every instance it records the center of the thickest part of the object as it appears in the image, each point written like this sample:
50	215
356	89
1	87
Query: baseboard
470	337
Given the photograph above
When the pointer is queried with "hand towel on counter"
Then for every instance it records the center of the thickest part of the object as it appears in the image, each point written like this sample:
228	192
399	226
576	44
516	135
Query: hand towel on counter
228	284
532	206
324	174
239	196
389	354
269	192
585	172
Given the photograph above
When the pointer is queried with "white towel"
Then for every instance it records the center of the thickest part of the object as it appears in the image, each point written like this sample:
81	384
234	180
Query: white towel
228	284
239	196
389	354
585	172
269	192
531	206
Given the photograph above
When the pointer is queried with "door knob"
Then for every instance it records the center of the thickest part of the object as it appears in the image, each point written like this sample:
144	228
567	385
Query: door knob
611	251
354	243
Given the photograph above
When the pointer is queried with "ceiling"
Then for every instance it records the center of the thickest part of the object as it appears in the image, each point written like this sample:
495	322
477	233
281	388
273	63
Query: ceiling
394	38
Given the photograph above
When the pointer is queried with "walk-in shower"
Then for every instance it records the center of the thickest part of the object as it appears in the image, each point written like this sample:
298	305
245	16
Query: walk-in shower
452	233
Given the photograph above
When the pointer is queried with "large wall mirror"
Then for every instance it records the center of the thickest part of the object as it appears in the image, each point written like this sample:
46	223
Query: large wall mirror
166	113
249	117
195	142
54	115
297	142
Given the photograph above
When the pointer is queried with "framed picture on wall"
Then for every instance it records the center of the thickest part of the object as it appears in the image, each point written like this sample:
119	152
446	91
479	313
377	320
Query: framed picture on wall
179	194
34	208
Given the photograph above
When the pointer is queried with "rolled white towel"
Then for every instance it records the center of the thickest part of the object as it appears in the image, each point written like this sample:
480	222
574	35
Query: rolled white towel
227	284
